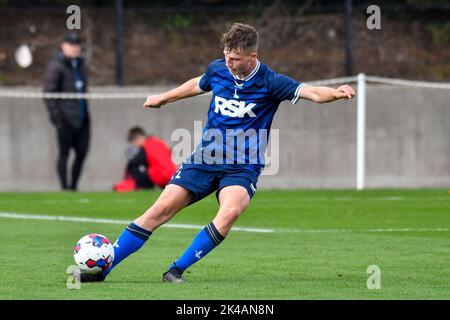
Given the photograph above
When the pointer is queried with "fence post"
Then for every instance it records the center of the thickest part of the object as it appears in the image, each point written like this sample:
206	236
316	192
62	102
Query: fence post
361	131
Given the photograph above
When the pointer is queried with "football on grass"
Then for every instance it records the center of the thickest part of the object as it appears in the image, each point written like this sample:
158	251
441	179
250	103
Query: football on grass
93	253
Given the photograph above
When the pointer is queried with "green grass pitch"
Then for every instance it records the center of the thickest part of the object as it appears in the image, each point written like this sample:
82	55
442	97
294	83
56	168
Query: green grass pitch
320	248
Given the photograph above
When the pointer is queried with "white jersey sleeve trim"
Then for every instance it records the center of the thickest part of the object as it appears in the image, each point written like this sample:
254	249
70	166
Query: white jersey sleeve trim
297	93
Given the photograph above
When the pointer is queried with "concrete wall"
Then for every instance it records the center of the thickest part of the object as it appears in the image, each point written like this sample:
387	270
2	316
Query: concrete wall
407	139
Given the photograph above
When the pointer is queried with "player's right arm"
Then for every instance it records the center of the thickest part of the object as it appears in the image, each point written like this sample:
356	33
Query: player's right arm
188	89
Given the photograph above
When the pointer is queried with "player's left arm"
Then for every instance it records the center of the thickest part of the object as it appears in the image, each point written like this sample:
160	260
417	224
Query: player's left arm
322	94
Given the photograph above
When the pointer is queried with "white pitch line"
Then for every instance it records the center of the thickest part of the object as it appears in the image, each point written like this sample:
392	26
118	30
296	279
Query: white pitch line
372	230
113	221
23	216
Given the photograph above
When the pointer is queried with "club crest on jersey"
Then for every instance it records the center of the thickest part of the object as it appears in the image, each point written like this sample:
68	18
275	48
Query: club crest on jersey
233	108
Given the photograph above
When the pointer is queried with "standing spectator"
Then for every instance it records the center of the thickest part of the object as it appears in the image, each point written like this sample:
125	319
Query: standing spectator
149	162
66	73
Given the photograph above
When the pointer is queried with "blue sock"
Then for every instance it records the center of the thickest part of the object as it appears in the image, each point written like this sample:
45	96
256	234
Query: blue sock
131	240
203	243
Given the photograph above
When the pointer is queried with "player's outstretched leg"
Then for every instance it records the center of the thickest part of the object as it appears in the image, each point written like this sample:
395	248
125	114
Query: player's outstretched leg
172	200
233	201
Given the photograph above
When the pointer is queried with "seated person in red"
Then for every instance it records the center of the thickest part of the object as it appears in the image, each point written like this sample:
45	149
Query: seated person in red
149	162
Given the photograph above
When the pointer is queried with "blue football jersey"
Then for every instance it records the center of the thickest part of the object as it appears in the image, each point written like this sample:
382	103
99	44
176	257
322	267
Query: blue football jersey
241	113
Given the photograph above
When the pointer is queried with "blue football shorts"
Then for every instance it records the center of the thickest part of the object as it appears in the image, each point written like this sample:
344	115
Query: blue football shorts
202	180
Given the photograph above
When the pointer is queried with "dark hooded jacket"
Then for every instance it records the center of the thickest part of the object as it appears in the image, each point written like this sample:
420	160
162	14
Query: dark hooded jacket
66	75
